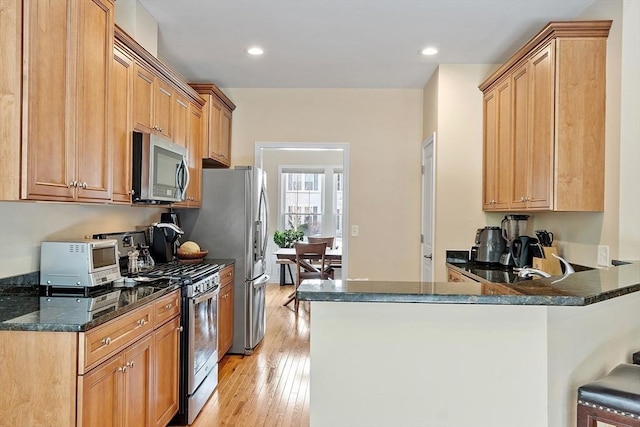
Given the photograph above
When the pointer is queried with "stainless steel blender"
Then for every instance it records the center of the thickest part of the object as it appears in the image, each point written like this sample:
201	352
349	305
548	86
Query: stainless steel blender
512	226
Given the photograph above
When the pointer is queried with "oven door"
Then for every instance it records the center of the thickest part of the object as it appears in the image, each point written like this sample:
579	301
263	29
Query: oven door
202	354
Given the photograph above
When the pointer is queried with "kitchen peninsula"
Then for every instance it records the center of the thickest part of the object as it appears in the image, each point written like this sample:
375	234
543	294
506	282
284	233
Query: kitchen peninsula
447	354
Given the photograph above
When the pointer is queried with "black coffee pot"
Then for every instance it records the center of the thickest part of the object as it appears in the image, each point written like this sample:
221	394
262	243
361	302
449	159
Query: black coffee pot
523	249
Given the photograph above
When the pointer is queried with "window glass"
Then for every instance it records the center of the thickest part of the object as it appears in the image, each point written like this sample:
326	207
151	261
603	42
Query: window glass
311	201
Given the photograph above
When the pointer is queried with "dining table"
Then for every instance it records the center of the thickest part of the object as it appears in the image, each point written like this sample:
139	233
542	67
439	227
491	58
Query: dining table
287	257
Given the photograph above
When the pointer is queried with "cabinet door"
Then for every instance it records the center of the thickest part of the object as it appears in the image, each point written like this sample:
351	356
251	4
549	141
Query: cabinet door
215	114
93	74
166	369
194	192
138	383
225	136
225	320
541	128
143	88
520	126
497	147
122	91
163	106
180	120
47	141
102	394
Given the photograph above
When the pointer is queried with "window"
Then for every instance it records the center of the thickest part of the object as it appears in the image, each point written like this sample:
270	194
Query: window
311	200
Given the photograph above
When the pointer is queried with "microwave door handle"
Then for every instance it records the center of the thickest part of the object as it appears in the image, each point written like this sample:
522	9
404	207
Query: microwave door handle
182	178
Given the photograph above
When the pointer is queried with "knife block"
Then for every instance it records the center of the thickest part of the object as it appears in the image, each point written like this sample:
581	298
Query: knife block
548	264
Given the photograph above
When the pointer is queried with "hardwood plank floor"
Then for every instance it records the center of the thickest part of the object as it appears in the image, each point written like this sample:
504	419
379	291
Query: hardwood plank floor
271	386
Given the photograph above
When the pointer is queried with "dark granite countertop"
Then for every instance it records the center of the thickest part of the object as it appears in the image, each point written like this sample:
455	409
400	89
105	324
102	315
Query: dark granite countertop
20	309
578	289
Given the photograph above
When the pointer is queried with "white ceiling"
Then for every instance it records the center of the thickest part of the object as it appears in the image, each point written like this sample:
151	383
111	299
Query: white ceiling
342	43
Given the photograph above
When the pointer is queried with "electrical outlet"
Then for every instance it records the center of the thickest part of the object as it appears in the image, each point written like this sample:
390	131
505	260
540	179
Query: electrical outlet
355	231
603	255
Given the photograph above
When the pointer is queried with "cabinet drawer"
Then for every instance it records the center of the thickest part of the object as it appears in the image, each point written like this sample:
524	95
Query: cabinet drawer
107	339
226	276
166	307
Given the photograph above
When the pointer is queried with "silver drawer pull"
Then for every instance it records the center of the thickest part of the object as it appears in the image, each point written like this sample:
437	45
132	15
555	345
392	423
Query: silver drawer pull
141	322
129	365
168	306
106	341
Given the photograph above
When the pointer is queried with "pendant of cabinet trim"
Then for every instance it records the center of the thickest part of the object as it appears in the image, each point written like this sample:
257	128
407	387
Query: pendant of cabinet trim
544	122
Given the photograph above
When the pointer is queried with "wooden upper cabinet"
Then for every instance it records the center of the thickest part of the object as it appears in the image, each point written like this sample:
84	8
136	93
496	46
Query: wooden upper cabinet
194	135
556	125
66	150
180	123
122	93
497	159
143	88
218	112
152	102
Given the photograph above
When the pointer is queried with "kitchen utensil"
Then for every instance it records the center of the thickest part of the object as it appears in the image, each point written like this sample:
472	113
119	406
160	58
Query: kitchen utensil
549	263
545	237
513	226
490	244
523	249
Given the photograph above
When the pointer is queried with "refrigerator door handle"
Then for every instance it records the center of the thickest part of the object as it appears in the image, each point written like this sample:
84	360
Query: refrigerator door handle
259	253
262	282
263	197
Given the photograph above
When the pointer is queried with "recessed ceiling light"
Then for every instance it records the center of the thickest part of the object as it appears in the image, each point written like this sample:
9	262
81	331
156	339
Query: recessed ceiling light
429	51
255	51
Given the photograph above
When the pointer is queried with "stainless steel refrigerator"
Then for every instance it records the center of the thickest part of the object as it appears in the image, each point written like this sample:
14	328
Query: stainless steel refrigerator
232	223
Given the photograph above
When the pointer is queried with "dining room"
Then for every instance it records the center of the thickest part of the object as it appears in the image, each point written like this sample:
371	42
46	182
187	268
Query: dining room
307	186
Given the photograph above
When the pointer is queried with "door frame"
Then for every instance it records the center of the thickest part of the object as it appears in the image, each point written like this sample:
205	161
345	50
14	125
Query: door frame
430	141
315	146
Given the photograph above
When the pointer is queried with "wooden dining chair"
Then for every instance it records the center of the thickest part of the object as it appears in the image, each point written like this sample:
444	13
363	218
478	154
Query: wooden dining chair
307	257
329	241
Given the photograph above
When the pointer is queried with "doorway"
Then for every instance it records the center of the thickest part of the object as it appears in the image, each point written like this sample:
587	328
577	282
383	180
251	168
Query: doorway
274	157
428	196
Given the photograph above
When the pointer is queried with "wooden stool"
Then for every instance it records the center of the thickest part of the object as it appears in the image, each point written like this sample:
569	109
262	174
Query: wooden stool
614	399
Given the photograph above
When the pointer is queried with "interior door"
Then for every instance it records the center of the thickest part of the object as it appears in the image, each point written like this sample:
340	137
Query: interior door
426	256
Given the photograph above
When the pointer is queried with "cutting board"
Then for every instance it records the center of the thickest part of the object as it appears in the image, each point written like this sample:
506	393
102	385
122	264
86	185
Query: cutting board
549	263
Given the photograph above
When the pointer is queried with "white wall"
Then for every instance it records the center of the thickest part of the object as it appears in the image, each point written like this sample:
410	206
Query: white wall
136	21
383	128
24	225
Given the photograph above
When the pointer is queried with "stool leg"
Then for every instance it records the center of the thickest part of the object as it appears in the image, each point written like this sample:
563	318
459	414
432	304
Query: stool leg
583	419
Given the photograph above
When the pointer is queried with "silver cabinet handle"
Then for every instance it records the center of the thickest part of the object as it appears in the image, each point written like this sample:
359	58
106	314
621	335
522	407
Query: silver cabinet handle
141	322
106	341
129	364
73	184
84	185
168	306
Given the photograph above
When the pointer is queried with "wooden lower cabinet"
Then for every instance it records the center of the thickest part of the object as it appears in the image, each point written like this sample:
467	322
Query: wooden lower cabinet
133	385
225	311
166	371
456	276
118	392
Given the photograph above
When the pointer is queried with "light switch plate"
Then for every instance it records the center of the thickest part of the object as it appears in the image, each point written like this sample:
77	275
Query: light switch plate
355	231
603	255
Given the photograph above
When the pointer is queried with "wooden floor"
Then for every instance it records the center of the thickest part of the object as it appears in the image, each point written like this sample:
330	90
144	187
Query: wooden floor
271	386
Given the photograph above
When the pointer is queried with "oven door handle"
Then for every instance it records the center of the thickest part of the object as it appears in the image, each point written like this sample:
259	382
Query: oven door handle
261	282
205	296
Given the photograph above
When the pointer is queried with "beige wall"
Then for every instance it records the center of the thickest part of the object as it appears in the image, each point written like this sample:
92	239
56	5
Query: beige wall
453	109
383	128
24	225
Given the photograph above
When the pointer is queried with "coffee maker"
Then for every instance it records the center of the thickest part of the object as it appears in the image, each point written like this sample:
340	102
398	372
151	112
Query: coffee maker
164	236
512	226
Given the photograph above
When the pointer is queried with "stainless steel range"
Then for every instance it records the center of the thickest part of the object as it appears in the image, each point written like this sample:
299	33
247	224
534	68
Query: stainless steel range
199	341
199	320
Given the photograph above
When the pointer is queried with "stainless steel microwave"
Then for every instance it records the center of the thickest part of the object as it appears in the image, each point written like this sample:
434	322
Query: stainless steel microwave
79	263
160	174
